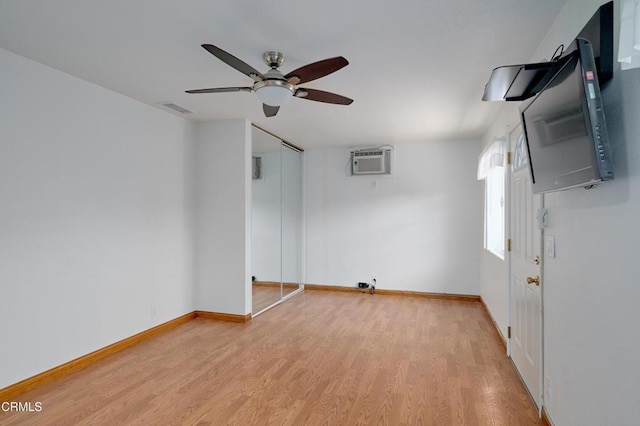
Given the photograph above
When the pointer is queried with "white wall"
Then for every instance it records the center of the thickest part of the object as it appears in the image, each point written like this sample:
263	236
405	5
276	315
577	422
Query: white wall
591	295
95	230
419	230
223	216
591	345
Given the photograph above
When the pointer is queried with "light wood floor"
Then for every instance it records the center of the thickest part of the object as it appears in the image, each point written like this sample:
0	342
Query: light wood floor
266	295
320	358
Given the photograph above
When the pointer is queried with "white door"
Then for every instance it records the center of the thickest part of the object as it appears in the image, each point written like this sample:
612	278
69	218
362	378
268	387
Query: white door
525	271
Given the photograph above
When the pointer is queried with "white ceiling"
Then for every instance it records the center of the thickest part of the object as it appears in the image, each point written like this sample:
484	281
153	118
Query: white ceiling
417	67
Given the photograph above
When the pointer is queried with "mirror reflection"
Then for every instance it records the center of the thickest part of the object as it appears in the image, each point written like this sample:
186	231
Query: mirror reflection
276	220
291	219
266	231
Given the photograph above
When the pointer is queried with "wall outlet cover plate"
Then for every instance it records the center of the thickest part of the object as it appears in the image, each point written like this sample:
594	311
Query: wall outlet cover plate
550	246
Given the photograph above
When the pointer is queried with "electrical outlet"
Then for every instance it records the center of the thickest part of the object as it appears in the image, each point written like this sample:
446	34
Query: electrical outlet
548	389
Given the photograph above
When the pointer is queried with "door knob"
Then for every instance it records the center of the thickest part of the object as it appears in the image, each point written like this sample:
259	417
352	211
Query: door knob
531	280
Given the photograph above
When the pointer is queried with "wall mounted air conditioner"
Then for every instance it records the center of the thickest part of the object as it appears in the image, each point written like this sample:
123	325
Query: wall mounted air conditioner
371	162
256	168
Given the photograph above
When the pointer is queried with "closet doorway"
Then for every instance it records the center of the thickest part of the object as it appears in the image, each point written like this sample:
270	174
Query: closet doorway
276	220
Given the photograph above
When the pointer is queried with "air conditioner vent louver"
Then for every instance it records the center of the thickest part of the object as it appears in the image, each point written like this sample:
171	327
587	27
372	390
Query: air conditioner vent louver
367	153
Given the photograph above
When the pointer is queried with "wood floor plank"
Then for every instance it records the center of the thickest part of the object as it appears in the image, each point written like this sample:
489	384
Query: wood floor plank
319	358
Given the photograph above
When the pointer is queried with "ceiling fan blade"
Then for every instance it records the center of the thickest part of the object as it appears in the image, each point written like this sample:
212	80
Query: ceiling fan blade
270	111
317	69
234	62
322	96
221	90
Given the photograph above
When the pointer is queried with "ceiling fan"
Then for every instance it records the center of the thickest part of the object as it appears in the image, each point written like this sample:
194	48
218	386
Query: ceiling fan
273	88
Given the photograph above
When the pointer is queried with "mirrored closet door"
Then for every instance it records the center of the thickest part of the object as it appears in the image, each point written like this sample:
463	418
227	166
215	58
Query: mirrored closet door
276	221
291	220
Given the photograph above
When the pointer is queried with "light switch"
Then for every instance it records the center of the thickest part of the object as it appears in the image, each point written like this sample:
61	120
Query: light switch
550	246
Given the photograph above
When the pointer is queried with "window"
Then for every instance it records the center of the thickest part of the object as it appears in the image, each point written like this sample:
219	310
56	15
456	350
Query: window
491	169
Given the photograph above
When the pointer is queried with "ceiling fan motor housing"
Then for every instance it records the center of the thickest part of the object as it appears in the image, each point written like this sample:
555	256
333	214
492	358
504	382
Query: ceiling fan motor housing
273	59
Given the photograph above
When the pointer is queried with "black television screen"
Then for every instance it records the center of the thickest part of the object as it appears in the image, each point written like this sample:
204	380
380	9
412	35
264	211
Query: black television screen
565	128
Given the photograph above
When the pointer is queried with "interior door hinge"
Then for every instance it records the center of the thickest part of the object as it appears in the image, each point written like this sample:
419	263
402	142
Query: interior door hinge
509	158
509	244
509	332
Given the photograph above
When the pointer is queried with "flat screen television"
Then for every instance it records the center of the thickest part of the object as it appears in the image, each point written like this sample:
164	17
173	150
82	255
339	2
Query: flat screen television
564	126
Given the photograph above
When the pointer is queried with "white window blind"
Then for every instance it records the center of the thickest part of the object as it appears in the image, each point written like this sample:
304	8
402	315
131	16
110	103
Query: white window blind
491	169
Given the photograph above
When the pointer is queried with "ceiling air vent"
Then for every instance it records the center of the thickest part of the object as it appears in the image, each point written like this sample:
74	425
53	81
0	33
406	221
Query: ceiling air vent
178	108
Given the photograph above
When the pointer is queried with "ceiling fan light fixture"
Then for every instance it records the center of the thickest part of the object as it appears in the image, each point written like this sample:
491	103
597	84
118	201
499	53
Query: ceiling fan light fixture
274	92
